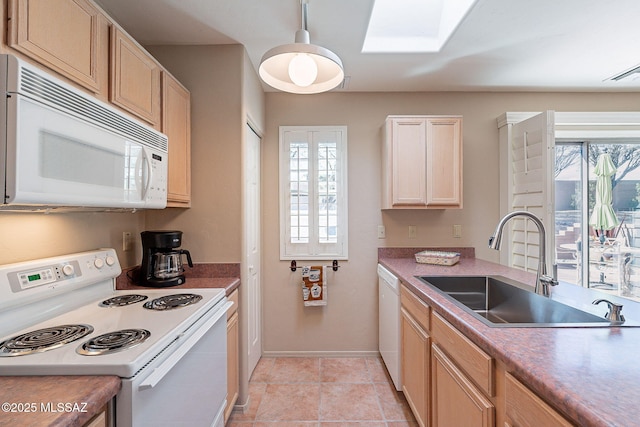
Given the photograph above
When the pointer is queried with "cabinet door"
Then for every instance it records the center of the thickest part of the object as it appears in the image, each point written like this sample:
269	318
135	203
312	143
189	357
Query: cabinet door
415	367
444	162
422	162
456	401
408	162
135	78
525	409
233	382
100	419
176	124
68	36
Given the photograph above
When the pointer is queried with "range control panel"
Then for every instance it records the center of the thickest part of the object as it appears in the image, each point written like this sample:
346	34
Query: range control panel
44	275
30	279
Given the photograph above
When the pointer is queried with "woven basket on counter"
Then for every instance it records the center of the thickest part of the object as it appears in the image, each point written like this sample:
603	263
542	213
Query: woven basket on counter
437	257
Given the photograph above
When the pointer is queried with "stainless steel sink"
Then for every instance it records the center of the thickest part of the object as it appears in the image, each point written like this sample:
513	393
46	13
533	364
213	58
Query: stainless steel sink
500	302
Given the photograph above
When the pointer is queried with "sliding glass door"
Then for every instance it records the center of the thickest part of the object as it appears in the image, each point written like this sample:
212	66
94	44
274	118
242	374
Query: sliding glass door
597	215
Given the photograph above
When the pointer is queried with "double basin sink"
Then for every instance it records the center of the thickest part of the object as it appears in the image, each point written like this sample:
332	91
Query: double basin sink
500	302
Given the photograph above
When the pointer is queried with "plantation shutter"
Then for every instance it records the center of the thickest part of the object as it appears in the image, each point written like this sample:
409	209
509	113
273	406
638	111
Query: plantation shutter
528	153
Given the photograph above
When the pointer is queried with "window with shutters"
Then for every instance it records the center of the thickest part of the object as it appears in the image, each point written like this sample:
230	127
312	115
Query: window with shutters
313	192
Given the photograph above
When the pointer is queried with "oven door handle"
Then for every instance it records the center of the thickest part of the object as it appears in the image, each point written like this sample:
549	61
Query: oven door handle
159	373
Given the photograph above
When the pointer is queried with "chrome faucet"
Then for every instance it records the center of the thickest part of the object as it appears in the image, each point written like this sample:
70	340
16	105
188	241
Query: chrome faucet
543	280
615	311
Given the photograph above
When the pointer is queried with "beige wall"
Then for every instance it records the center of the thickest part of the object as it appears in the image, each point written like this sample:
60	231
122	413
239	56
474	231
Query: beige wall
349	322
26	236
212	226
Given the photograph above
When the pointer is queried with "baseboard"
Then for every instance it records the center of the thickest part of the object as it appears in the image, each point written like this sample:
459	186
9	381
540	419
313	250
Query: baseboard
320	354
242	408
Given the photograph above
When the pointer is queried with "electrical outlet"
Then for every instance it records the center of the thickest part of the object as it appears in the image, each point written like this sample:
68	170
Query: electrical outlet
126	241
413	231
457	231
382	233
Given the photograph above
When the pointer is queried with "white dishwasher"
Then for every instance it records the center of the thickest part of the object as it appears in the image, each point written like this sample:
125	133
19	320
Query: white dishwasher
389	323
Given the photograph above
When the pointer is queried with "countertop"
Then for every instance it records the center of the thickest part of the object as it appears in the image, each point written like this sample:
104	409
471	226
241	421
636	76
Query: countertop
228	283
33	401
592	375
211	275
53	400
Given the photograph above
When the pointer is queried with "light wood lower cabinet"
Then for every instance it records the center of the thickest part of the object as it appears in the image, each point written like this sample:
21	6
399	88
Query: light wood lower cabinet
233	369
456	400
415	354
415	367
176	124
449	381
526	409
99	420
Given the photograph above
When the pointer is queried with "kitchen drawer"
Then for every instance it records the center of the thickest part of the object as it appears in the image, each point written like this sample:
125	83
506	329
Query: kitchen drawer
478	365
415	306
525	409
233	298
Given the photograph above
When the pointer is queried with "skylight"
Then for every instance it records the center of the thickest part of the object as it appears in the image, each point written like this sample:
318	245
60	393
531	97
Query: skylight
408	26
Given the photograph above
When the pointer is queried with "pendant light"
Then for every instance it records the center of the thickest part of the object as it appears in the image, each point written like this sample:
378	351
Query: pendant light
301	67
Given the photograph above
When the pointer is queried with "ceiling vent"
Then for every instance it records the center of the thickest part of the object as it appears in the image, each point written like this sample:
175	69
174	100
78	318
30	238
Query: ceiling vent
629	74
345	83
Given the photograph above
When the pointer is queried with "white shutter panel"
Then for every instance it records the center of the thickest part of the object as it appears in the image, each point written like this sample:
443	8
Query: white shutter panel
530	162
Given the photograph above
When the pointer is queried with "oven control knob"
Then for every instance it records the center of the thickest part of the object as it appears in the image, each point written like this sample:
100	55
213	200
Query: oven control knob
98	262
110	260
68	270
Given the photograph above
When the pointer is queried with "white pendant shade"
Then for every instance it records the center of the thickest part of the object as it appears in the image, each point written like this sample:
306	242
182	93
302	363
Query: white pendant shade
301	67
274	68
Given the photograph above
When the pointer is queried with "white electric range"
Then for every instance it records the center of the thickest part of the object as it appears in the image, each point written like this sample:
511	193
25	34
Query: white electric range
63	316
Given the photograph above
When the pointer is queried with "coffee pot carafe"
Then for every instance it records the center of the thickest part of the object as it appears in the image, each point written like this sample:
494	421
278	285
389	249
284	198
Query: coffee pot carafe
161	261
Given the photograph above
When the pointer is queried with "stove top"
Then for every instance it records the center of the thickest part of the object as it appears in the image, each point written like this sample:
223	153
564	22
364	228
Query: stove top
123	300
113	341
109	323
43	339
171	302
92	316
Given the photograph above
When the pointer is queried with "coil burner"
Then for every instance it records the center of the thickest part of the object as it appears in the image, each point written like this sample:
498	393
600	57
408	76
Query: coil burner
170	302
43	339
113	341
122	300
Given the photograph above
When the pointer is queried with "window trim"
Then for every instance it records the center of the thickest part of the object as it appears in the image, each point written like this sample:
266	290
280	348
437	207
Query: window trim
312	249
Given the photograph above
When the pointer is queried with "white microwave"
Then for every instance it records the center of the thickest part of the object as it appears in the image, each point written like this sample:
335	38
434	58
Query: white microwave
63	148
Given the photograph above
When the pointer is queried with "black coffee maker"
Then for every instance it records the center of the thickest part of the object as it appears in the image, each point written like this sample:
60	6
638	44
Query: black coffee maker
161	261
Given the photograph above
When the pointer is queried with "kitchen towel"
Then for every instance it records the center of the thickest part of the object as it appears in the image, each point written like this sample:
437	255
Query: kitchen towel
314	285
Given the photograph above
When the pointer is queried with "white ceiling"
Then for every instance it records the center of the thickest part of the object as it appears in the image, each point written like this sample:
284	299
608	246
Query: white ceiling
502	45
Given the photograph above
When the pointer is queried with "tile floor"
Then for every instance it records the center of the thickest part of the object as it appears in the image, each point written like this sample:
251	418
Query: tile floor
323	392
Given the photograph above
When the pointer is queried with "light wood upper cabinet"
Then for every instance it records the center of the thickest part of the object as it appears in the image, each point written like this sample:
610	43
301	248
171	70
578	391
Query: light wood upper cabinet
422	162
135	78
525	409
68	36
176	124
444	162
